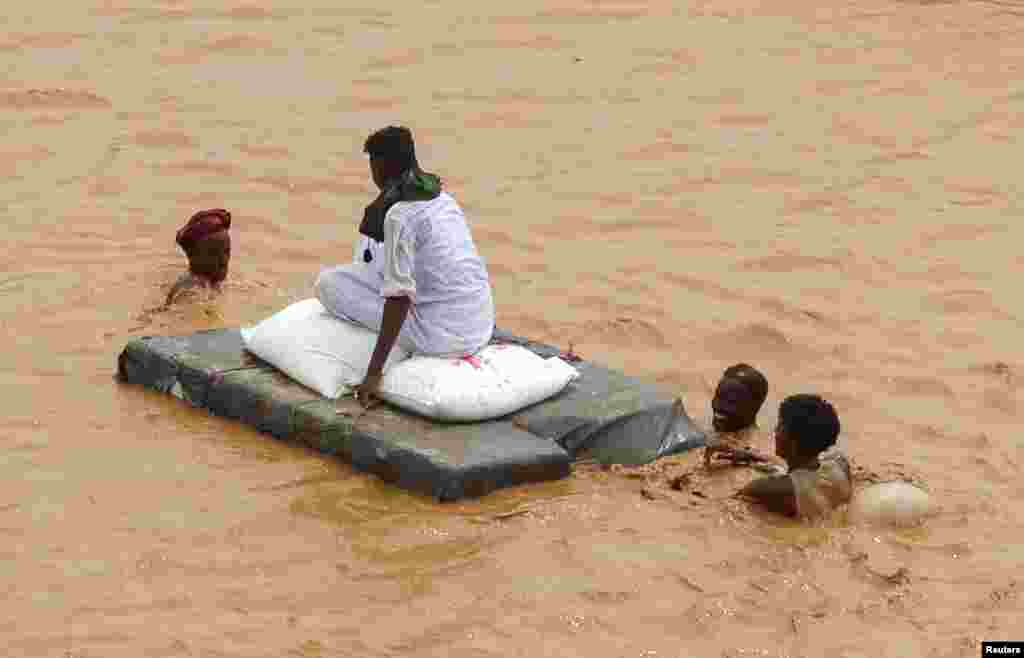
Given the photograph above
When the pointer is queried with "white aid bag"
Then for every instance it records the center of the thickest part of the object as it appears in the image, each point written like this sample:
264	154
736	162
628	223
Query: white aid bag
315	348
496	381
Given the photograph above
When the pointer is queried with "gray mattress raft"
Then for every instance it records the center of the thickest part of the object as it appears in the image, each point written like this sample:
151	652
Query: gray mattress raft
604	415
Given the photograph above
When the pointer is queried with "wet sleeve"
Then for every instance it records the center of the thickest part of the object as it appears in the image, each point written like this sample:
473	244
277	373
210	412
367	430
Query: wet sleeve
399	257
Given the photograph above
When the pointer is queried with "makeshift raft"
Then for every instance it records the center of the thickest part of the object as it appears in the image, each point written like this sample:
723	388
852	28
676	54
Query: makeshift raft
212	370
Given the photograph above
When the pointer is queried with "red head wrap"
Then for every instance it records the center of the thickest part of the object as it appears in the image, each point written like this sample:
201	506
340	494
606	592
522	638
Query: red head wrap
201	225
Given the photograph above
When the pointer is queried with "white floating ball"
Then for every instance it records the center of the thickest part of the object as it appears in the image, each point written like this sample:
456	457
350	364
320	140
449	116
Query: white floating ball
896	503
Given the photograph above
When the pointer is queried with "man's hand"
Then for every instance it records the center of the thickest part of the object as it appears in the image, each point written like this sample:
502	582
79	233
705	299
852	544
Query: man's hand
366	393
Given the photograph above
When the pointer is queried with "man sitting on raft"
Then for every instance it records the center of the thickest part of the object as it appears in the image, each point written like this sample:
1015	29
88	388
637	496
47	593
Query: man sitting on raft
417	278
819	479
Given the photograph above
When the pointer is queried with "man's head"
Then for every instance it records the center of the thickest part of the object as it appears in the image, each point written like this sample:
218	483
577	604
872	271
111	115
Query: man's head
808	425
738	397
392	153
207	243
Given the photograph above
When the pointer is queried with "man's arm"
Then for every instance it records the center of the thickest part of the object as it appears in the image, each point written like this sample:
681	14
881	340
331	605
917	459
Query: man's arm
776	493
395	311
399	289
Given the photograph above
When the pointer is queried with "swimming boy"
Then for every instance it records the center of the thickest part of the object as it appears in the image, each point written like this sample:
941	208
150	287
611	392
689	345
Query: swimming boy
207	244
818	480
738	398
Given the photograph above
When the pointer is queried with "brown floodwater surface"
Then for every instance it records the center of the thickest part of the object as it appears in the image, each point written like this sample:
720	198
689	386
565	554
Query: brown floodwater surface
827	191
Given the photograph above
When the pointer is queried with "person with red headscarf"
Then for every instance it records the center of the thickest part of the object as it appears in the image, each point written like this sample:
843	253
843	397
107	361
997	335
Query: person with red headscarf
207	244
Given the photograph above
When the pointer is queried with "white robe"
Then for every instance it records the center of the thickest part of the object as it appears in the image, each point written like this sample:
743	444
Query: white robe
428	255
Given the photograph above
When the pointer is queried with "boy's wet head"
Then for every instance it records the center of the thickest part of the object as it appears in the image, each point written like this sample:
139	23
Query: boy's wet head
738	397
808	426
207	243
392	152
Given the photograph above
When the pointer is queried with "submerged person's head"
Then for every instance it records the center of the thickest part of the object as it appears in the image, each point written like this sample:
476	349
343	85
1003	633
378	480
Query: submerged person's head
808	425
207	244
738	397
392	152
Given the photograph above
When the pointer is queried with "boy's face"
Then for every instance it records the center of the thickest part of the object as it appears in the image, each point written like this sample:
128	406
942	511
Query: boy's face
210	257
784	447
734	406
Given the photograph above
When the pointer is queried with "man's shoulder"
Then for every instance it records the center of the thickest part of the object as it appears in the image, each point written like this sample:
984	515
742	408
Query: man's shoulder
408	210
834	455
837	465
443	201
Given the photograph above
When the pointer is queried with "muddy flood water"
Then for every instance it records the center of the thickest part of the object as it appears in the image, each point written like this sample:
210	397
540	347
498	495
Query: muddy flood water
829	191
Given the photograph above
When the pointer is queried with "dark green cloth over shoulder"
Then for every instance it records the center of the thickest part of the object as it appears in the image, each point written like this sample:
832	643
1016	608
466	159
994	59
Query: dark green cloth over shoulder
413	185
